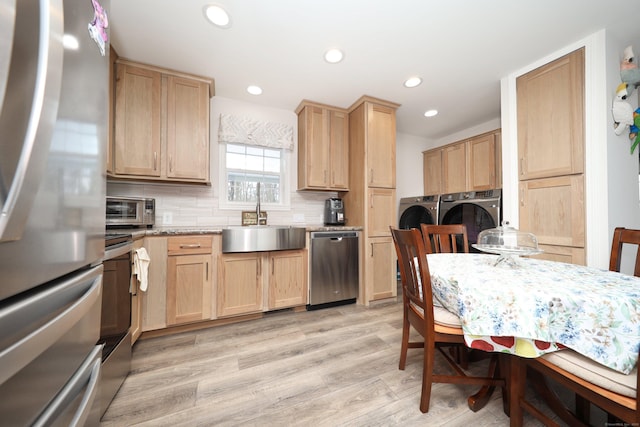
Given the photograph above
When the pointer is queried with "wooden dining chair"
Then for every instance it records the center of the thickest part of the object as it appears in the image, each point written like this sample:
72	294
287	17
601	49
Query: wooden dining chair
438	327
623	236
448	238
445	238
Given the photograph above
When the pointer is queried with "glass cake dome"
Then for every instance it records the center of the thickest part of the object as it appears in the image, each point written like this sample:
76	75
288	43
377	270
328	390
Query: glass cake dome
507	241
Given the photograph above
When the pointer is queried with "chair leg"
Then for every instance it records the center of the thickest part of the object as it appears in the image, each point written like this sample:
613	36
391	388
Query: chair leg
405	343
427	377
517	379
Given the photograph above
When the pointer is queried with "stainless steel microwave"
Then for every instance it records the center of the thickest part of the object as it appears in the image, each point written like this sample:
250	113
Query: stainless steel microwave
130	212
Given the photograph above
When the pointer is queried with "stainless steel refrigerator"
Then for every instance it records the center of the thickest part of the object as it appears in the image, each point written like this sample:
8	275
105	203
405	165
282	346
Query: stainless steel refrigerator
54	70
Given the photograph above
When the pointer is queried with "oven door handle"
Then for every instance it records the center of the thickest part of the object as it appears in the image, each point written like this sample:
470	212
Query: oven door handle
116	250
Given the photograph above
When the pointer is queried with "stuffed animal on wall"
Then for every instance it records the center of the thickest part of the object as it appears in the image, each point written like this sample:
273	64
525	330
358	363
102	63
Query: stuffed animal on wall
634	130
622	110
629	71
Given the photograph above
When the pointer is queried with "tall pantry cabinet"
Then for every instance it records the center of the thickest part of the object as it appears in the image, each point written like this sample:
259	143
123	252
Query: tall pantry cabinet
551	123
371	200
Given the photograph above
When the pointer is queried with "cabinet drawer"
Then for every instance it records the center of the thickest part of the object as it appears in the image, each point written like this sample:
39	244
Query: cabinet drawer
186	245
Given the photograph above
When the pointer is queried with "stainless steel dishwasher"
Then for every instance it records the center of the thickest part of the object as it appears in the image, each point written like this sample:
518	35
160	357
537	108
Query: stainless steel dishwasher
334	274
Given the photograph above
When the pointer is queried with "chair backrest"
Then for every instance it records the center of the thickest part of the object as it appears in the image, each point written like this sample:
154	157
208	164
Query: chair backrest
621	236
414	270
446	238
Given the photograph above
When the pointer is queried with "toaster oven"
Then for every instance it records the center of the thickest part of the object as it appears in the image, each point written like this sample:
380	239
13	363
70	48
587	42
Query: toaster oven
130	212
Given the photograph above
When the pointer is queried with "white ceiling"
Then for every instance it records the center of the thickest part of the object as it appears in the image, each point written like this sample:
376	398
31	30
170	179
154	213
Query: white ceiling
461	48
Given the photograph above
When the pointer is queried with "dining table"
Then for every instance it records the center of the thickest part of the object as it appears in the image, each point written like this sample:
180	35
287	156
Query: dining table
528	307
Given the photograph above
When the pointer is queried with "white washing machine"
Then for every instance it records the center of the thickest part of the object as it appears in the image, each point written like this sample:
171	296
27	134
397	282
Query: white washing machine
418	210
478	210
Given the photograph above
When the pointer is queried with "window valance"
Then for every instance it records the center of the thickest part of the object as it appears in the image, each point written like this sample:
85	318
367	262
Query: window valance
244	130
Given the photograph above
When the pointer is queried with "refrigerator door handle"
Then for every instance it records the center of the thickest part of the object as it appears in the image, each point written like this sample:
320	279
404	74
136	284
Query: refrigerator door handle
24	171
20	353
86	376
7	22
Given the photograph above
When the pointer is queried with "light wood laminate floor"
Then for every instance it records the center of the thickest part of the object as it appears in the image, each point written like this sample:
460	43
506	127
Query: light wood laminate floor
330	367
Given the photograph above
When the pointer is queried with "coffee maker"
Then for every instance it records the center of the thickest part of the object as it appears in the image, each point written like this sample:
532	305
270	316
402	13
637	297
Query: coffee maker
334	212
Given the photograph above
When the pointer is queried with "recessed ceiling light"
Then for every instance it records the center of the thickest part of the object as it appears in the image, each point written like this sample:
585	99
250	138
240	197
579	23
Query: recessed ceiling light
412	82
70	42
217	16
254	90
430	113
333	56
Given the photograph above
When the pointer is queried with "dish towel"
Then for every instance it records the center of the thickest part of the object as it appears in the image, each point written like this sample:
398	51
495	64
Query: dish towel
141	267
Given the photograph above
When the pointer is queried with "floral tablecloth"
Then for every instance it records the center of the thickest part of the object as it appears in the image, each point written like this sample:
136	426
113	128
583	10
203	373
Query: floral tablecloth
539	306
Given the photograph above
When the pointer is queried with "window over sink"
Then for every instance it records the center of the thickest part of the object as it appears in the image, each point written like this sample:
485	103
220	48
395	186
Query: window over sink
242	167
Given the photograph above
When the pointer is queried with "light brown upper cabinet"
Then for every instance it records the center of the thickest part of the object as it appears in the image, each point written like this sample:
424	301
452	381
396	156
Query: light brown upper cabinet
161	124
381	150
481	151
472	164
432	167
323	147
551	118
454	167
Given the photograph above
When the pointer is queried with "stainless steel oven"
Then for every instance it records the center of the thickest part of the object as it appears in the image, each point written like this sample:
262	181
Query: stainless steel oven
115	321
130	212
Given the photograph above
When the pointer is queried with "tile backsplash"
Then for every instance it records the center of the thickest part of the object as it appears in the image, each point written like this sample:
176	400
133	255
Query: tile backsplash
192	205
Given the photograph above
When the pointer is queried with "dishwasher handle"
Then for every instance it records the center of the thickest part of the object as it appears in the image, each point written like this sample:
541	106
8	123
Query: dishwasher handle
334	235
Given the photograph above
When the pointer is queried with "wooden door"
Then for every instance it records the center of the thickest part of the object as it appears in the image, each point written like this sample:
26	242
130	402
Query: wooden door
380	268
482	162
551	118
339	149
287	279
553	210
137	121
239	284
187	129
188	288
454	166
136	302
432	171
381	212
381	146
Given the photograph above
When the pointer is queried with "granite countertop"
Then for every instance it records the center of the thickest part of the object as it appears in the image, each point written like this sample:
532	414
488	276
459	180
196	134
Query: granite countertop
177	230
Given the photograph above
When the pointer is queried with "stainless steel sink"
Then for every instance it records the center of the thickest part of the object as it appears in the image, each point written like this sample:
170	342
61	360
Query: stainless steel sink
256	238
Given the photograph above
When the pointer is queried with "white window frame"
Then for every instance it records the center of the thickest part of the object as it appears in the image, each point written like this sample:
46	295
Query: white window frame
285	177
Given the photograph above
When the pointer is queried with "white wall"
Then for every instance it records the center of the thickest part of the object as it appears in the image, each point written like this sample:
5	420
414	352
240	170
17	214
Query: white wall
188	205
469	132
610	176
409	180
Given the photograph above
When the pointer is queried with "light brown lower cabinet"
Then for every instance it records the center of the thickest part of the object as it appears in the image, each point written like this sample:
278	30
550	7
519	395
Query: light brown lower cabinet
566	254
243	279
553	210
381	267
239	284
136	301
189	279
287	279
